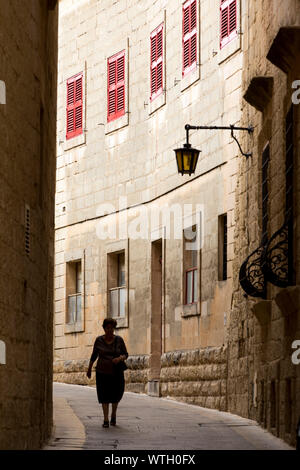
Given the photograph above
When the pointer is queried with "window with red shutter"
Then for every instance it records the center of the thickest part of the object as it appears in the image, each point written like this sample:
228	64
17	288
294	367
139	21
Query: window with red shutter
74	106
189	36
116	86
228	21
156	60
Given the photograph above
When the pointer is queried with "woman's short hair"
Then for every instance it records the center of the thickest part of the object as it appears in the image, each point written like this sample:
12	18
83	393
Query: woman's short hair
109	321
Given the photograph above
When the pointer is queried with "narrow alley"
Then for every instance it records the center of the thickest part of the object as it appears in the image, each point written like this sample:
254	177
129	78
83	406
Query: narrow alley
146	423
150	221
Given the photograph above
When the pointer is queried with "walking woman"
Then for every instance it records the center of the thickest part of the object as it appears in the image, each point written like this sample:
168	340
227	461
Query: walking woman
111	352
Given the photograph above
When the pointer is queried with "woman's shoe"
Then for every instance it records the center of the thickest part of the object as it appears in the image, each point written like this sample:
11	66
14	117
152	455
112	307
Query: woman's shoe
105	424
113	421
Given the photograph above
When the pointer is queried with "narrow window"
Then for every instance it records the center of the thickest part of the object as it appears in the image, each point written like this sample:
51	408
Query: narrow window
289	185
265	193
27	230
156	60
190	260
116	86
74	106
189	36
222	247
42	150
117	284
289	155
262	404
228	21
74	281
273	404
288	405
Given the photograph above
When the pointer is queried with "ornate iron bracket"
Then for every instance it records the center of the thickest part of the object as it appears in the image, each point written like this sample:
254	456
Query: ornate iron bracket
249	129
278	257
251	276
271	262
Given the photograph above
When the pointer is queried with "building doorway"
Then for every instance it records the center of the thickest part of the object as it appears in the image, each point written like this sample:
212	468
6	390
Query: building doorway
156	317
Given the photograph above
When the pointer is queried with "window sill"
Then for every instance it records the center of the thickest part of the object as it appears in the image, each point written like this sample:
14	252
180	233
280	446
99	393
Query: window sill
190	78
190	310
117	124
74	142
74	327
157	103
122	322
231	48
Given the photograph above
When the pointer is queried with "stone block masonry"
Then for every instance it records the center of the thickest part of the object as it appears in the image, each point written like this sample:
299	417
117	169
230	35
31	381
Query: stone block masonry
134	158
196	376
263	383
28	68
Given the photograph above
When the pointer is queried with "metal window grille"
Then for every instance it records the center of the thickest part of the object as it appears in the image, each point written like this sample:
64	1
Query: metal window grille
273	404
288	405
289	163
27	230
265	194
289	183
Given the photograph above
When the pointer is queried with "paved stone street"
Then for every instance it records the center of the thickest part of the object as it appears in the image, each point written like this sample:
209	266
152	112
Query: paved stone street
145	423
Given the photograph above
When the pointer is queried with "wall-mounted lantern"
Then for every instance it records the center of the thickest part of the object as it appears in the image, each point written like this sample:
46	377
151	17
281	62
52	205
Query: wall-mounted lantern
187	157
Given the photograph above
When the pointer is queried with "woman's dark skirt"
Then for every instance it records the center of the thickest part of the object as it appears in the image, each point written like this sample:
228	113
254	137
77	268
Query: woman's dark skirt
110	388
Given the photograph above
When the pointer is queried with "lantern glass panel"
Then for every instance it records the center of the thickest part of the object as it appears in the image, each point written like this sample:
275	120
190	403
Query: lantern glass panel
179	159
187	158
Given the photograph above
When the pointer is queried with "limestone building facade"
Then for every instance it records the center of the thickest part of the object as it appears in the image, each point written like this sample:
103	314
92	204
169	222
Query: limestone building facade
131	75
264	329
28	69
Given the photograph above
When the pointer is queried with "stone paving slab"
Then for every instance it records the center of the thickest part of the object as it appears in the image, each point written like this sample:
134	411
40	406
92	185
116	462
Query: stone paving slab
145	423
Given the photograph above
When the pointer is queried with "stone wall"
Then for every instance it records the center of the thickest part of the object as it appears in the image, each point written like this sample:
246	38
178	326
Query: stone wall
28	65
74	372
263	383
132	166
137	374
197	376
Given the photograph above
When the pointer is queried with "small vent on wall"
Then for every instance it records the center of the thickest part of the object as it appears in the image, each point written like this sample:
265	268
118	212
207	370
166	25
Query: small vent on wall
27	230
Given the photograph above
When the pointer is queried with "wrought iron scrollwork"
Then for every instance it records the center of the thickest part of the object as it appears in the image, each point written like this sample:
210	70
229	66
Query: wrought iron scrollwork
251	277
278	258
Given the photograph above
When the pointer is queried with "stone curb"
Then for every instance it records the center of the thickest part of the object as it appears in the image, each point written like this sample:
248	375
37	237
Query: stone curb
68	431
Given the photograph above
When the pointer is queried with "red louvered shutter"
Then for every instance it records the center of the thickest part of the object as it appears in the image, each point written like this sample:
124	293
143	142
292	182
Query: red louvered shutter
116	86
186	43
189	36
156	60
74	106
228	21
